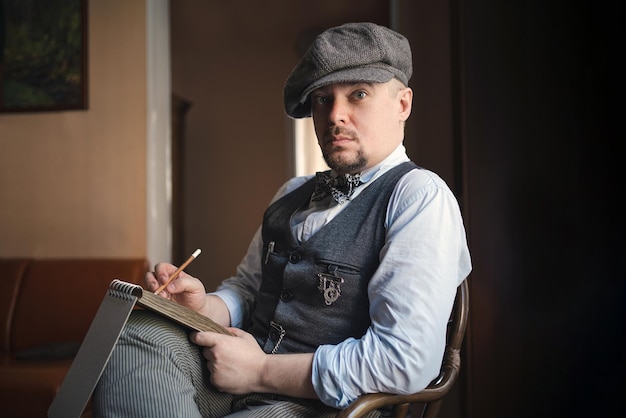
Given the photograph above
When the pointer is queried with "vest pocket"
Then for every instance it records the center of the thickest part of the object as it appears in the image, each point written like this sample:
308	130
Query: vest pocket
334	267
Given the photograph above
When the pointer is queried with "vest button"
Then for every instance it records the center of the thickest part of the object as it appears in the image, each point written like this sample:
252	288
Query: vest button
294	258
286	295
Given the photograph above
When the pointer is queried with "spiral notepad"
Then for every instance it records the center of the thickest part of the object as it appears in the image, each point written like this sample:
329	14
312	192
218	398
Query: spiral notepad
104	331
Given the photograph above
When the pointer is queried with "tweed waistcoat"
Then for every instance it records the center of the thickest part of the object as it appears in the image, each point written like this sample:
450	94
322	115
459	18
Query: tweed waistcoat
315	292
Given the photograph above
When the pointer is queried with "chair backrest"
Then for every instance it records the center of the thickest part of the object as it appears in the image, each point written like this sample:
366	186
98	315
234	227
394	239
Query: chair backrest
432	396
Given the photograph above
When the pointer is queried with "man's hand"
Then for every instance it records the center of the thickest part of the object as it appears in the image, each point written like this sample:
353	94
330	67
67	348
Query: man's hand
185	290
235	362
189	292
238	365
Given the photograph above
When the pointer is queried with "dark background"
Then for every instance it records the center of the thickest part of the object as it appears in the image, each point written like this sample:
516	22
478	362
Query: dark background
543	105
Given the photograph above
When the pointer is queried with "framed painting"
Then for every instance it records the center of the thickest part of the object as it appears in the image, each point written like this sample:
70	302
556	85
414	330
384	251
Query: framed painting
43	55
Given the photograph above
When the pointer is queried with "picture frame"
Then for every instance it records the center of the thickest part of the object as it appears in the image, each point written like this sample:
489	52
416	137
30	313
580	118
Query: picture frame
43	55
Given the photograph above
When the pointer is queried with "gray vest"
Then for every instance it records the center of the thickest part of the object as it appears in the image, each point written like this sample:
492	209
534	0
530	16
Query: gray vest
315	292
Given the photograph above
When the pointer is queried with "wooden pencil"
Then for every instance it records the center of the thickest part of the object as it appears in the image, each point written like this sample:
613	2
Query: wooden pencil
177	272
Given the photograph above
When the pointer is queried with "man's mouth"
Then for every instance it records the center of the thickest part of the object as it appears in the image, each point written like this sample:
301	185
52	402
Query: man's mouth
339	139
338	136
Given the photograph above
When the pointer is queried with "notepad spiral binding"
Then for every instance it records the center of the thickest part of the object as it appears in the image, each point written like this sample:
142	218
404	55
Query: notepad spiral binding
125	287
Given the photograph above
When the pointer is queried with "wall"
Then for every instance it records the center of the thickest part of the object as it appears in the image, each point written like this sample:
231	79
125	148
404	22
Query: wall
73	183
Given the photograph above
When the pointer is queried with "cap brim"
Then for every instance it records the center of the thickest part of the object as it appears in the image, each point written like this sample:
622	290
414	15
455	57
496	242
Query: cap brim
369	74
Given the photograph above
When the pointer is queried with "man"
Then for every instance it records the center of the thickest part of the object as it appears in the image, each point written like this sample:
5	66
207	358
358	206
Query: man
346	288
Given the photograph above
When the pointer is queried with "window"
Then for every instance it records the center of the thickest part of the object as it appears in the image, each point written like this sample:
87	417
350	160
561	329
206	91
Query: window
307	155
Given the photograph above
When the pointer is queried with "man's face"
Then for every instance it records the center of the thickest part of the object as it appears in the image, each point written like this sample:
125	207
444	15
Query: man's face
359	125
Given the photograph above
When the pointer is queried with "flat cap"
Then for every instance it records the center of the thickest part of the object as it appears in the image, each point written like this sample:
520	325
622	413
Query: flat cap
354	52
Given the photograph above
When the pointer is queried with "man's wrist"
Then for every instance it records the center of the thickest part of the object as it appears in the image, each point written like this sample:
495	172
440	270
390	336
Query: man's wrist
287	374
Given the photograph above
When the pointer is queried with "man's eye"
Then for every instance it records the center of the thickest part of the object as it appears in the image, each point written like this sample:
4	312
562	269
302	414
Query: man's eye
320	99
360	95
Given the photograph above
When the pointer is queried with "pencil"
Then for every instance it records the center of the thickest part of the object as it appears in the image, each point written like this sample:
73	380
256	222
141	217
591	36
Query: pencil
177	272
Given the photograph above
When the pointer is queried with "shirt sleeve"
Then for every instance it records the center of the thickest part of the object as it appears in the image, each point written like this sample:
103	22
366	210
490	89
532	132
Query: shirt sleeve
424	259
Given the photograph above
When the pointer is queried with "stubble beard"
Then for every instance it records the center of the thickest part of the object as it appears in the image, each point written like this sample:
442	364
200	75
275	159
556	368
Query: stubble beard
342	165
338	161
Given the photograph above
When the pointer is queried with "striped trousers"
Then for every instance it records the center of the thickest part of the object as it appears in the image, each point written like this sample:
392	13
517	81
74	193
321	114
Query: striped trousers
156	372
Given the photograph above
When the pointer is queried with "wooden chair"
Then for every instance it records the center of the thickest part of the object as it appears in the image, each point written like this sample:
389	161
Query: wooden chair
432	396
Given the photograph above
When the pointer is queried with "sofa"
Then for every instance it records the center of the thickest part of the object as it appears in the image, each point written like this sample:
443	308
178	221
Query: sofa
46	308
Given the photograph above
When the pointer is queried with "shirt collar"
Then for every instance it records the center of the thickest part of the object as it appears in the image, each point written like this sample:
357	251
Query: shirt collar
396	157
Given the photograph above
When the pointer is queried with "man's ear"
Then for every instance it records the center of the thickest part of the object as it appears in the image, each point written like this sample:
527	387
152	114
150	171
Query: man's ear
406	103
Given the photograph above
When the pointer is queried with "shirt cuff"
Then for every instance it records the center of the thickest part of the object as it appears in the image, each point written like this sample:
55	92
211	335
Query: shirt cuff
328	388
233	303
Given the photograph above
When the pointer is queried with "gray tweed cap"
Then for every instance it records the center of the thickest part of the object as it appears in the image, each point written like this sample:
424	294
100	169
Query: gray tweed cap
354	52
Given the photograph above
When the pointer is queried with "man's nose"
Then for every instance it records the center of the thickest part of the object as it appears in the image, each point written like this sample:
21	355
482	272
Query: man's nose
339	111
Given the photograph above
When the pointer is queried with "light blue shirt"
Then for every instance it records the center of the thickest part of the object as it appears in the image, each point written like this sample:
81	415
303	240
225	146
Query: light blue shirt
424	259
